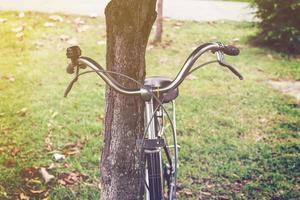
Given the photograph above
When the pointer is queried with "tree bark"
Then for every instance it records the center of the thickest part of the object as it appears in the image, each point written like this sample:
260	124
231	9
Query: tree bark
159	22
128	25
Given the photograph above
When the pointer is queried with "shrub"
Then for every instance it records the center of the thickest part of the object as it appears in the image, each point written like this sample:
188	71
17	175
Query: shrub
279	25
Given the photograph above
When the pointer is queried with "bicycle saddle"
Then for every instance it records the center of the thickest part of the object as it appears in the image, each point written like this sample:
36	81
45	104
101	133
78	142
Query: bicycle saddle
160	82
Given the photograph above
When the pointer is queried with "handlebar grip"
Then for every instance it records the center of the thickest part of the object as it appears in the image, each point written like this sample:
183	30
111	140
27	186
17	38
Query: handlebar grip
231	50
73	52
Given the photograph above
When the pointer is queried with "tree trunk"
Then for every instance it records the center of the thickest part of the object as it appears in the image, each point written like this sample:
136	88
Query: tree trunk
159	22
128	26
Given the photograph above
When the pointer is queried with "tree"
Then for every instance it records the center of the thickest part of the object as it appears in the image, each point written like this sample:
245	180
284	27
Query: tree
159	22
128	26
279	27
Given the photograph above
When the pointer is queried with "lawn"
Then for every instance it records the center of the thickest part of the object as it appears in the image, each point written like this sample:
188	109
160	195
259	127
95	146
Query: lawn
239	139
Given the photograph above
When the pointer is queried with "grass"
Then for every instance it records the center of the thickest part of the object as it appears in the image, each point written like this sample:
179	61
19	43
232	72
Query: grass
239	139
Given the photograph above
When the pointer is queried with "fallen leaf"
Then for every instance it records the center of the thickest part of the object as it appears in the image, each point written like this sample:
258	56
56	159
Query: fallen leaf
100	118
10	78
64	38
66	165
50	124
2	150
61	182
47	198
51	166
73	41
263	120
54	114
82	28
205	193
10	163
23	112
46	176
3	192
72	148
29	173
23	196
179	186
58	157
56	18
49	24
258	138
20	35
223	197
15	151
33	183
35	187
187	192
79	21
5	131
48	142
71	178
18	29
37	191
93	183
270	57
236	39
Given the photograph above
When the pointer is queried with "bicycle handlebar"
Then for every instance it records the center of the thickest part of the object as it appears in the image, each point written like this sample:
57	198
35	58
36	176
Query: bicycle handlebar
74	54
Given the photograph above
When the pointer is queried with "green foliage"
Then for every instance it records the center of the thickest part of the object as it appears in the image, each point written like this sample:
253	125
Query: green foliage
279	25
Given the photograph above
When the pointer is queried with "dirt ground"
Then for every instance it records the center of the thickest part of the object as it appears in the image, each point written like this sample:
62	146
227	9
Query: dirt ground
288	87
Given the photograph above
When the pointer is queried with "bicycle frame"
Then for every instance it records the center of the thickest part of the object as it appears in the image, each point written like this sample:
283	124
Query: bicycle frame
154	169
153	172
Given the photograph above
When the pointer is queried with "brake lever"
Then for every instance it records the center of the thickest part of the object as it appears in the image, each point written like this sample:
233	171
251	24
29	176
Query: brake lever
70	86
232	69
222	62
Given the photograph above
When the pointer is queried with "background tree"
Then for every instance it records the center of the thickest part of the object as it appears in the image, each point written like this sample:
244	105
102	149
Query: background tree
159	22
279	25
128	26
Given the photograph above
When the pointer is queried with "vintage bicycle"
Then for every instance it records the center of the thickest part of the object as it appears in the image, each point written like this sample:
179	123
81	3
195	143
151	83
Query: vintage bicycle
159	173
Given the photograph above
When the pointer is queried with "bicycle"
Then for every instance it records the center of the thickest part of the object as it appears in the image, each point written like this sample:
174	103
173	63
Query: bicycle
156	92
